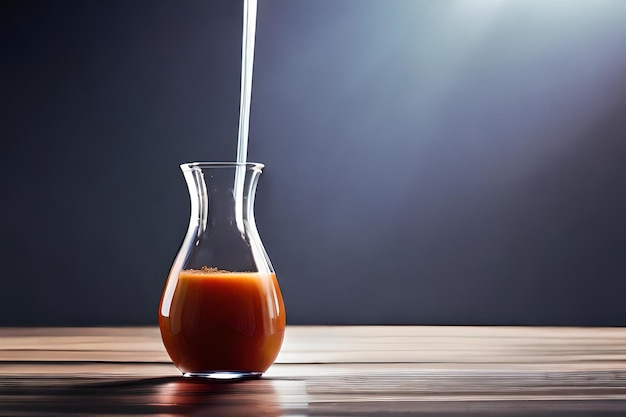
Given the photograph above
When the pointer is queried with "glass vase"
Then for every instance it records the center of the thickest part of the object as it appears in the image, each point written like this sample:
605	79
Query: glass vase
221	314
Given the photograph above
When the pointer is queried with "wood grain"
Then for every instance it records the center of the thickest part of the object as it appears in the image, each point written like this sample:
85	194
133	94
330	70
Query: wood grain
338	370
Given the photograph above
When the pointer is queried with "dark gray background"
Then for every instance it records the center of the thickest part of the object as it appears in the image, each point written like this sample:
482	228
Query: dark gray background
428	162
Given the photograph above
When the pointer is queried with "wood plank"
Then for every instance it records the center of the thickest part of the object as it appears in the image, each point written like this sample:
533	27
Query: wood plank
341	344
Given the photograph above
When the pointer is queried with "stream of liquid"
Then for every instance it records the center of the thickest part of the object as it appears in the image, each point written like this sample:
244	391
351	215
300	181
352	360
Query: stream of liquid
247	64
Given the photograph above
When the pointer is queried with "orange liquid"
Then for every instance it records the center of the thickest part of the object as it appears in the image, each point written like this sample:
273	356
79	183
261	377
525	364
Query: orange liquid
233	321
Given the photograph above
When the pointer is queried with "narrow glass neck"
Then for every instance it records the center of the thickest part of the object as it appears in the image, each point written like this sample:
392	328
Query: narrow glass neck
222	195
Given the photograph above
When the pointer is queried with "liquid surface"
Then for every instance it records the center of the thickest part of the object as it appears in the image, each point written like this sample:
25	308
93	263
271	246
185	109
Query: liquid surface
231	321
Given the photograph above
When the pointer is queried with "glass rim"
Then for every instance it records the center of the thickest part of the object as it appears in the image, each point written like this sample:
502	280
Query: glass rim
247	165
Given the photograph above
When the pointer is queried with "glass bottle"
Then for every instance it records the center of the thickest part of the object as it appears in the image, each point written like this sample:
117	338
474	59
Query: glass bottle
222	314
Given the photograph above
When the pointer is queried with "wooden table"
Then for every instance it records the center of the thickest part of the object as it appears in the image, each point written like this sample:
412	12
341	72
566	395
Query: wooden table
325	371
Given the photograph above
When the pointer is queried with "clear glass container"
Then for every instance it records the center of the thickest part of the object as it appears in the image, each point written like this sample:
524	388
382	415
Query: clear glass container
221	313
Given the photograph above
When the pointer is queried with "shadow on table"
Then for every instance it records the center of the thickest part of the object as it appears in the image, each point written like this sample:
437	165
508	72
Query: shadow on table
167	396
